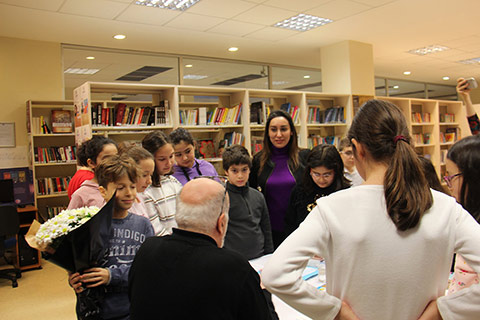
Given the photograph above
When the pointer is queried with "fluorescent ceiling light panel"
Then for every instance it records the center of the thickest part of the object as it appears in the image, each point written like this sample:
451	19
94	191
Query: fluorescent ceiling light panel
167	4
81	71
427	50
302	22
470	61
194	77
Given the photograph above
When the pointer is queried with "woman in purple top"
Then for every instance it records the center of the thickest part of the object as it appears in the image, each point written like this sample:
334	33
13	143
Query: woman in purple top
187	166
277	168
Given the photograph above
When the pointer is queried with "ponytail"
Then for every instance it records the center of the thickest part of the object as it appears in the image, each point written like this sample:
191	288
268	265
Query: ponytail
407	193
381	127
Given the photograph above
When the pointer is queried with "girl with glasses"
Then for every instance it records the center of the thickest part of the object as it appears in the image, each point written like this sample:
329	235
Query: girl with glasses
388	243
463	180
323	176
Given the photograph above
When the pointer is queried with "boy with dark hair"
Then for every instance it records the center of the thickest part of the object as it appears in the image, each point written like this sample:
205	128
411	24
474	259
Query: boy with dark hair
350	171
249	231
117	174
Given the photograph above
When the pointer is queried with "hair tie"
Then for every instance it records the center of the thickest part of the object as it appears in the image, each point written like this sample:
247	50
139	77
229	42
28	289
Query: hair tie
400	137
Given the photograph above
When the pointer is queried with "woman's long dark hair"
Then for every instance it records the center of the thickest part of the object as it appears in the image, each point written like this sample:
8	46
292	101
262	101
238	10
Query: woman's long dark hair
466	155
325	155
293	161
381	128
152	142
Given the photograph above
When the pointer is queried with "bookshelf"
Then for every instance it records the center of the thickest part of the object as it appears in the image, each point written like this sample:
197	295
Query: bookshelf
52	157
435	125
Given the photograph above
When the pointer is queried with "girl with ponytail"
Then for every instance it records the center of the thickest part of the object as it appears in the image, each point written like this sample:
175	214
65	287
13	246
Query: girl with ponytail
388	243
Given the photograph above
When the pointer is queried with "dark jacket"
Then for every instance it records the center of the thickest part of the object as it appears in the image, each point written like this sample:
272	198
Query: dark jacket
249	232
186	276
258	180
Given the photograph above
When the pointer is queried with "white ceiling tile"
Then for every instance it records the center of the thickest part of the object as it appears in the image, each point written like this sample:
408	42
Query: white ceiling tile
297	5
338	9
148	15
374	3
50	5
94	8
194	22
271	34
236	28
265	15
221	8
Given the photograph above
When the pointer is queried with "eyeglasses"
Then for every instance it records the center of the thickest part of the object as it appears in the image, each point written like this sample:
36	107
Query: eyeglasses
348	153
448	179
223	181
317	175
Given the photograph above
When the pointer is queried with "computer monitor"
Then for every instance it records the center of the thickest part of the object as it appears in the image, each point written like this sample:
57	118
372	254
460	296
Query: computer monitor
6	191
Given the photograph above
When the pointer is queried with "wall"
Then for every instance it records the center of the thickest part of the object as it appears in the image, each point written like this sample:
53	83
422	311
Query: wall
29	70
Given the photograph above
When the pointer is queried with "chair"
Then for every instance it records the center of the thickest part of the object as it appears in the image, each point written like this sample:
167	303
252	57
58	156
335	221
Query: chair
9	226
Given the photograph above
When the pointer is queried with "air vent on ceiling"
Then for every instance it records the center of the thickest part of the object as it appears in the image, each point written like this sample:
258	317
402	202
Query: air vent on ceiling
232	81
143	73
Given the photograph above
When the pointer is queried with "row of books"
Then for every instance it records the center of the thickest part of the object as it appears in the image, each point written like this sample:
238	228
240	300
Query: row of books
53	211
259	112
447	117
422	138
61	122
418	117
294	111
450	135
55	154
329	115
204	117
52	185
124	115
315	140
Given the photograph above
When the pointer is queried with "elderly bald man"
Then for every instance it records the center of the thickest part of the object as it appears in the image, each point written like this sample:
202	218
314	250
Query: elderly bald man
188	275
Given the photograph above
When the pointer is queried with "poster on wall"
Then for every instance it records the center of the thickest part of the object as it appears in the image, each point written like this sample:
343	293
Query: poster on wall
83	118
23	189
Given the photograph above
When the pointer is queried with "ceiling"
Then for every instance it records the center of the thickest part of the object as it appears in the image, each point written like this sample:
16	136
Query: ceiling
210	27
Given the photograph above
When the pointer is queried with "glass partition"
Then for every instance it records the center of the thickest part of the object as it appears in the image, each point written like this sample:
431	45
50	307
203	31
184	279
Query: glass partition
296	79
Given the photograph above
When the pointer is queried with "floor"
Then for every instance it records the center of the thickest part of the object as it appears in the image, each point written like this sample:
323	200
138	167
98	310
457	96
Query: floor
41	294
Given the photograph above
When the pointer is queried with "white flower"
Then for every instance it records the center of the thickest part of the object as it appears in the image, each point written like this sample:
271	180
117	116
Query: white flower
63	223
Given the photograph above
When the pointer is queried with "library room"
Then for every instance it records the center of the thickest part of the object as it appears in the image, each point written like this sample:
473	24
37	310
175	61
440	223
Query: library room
239	159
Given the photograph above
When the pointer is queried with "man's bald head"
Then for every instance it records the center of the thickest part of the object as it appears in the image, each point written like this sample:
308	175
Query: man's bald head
199	207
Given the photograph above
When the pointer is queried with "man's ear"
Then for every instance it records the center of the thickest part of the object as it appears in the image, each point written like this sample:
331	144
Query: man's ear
222	224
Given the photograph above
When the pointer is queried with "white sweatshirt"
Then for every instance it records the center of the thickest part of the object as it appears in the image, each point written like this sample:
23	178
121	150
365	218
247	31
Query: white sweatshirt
380	272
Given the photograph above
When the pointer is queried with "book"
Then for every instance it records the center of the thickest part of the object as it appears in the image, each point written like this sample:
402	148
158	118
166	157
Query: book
120	113
256	112
202	116
205	148
62	121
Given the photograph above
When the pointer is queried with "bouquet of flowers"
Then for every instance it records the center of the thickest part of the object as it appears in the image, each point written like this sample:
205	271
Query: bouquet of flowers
77	240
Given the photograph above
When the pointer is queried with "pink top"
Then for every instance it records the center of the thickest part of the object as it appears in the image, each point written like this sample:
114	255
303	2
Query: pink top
78	178
139	208
87	195
463	277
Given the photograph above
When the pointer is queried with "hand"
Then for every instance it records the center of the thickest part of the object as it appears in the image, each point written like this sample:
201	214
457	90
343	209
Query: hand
95	277
431	312
74	282
346	313
462	87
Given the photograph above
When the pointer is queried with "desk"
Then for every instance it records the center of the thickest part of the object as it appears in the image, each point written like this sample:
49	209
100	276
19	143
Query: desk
27	257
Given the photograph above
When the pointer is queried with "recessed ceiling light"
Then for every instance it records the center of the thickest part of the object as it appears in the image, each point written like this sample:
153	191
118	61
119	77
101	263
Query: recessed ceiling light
188	65
233	49
396	87
194	77
181	5
307	76
470	61
427	50
119	36
446	78
81	71
302	22
407	73
90	58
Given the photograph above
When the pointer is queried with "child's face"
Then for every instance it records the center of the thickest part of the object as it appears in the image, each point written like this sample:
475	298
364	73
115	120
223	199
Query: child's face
238	174
164	159
322	176
126	193
107	151
184	154
147	166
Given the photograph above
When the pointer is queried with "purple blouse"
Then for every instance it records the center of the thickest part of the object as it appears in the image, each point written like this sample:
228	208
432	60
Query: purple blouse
278	188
